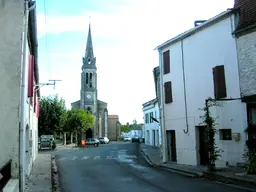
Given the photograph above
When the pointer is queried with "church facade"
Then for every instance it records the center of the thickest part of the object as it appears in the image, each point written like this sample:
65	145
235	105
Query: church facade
89	93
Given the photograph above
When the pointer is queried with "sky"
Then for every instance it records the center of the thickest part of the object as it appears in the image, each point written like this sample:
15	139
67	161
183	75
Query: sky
124	35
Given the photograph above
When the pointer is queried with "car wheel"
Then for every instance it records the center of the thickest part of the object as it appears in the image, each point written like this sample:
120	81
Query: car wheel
96	145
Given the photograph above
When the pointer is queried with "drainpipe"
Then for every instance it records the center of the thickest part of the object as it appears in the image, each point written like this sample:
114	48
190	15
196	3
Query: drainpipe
23	97
162	110
184	87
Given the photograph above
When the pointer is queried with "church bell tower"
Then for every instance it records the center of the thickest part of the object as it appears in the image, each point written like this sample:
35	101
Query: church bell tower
88	100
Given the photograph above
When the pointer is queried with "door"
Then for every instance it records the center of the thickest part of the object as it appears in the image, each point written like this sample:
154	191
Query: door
168	145
203	145
173	145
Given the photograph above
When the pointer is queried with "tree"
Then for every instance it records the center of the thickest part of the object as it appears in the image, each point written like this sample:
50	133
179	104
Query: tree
125	128
77	120
51	111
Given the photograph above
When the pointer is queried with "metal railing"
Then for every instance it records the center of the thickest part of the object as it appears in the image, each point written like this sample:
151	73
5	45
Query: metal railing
5	174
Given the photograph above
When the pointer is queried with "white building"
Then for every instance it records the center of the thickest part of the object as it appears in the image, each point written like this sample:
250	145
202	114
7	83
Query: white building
152	128
195	65
19	103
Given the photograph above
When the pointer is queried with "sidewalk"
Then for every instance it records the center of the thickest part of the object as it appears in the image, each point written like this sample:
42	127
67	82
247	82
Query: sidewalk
40	179
232	175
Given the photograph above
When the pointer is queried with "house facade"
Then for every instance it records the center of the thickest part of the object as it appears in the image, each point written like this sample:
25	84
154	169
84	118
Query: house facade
195	65
19	93
246	38
152	123
114	128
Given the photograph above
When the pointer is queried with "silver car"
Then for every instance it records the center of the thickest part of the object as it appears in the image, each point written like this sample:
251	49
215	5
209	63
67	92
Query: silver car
92	141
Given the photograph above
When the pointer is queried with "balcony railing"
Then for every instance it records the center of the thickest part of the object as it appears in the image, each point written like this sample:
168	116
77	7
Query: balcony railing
5	174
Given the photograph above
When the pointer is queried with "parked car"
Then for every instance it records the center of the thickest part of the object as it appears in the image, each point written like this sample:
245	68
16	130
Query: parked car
46	142
135	139
127	139
103	140
92	141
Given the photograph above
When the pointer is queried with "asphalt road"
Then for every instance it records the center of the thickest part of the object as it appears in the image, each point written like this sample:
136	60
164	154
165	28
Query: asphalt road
118	167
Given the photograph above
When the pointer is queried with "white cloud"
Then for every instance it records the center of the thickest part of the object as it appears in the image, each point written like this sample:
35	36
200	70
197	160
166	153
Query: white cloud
125	78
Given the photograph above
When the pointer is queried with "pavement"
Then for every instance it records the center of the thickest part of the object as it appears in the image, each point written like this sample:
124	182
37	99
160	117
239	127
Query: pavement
40	179
233	176
120	167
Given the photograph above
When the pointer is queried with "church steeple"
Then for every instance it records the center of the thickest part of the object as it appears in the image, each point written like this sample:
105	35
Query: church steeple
89	47
89	58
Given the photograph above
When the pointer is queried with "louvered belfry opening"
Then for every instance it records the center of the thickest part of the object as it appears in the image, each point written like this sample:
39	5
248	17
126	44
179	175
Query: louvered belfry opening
166	58
219	81
168	92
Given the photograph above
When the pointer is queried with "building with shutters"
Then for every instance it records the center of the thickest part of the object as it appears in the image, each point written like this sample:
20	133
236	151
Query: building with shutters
246	48
19	103
152	123
195	65
114	128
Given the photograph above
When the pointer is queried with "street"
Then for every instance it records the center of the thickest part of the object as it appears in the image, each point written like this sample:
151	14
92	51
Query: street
118	167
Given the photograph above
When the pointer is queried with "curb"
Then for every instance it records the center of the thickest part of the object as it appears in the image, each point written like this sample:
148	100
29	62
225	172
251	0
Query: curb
55	175
250	185
174	170
191	174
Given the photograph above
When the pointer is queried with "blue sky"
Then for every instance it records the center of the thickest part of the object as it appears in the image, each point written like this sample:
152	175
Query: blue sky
124	34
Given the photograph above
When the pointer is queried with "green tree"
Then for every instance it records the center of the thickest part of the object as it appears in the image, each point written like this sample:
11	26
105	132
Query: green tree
51	110
125	128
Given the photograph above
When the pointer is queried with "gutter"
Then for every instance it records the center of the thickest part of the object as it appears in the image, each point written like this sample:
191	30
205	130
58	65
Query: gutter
162	109
23	95
184	87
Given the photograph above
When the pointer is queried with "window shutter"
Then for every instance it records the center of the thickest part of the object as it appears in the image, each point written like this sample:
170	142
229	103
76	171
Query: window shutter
166	62
219	82
30	76
168	92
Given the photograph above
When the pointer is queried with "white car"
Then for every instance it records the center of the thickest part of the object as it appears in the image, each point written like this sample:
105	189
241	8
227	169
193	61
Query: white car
103	140
127	139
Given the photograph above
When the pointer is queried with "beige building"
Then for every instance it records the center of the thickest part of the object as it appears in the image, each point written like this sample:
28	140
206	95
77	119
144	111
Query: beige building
114	130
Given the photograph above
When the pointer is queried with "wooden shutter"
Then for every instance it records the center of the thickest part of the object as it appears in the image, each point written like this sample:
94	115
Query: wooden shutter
219	82
30	76
168	92
166	62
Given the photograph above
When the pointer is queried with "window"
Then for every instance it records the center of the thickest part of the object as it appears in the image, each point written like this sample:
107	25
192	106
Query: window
166	59
147	118
90	79
219	82
168	92
225	134
87	79
151	115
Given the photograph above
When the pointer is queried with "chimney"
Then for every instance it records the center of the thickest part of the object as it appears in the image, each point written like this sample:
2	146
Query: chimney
247	12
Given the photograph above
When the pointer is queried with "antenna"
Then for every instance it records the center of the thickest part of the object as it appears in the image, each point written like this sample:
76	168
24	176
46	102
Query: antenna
54	82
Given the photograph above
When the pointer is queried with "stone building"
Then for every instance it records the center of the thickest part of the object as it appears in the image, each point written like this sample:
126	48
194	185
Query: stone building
89	93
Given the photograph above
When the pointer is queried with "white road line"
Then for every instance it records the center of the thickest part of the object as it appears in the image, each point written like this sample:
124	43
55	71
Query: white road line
62	158
111	157
85	157
96	157
74	158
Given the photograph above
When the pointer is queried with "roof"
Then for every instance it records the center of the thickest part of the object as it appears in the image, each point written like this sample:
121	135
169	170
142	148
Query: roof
113	117
151	102
194	30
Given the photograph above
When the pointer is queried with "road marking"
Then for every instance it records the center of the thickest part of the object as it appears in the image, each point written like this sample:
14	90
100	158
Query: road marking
96	157
85	157
111	157
62	158
74	158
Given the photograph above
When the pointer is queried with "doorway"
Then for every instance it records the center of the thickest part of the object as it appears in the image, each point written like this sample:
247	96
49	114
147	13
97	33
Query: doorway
203	145
88	133
171	146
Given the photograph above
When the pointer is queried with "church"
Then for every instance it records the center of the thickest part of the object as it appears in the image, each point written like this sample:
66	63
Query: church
89	93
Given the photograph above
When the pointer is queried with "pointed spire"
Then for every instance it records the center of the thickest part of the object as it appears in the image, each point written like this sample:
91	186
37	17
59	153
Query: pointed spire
89	47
